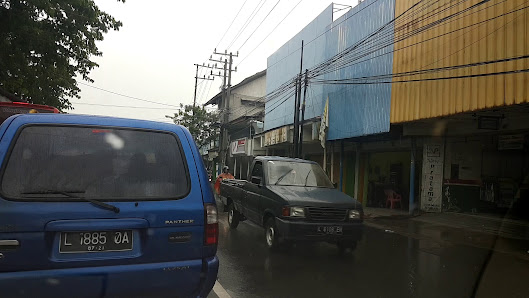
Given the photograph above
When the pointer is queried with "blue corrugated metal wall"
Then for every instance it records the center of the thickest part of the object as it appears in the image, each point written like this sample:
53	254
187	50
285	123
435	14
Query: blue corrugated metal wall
354	110
283	65
358	110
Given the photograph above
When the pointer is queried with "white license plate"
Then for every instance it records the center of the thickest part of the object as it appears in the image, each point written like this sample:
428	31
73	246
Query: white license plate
331	230
96	241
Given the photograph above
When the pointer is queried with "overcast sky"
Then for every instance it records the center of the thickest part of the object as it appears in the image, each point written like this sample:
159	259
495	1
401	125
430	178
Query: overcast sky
151	57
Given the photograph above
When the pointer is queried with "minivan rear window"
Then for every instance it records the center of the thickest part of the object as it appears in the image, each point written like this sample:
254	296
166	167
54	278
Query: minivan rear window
52	162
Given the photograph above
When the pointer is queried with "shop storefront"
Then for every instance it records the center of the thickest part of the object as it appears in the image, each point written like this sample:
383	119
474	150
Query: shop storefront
475	162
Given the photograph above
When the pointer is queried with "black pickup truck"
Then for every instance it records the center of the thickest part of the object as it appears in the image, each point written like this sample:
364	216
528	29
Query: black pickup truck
293	200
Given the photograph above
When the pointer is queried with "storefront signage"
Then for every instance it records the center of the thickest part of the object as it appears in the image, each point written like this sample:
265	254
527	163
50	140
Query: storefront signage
432	178
238	146
510	142
276	136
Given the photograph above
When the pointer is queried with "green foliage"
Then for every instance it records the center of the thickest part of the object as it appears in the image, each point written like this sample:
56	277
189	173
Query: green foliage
45	44
202	125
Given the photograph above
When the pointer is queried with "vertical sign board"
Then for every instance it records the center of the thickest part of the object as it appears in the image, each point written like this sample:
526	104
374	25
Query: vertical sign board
432	178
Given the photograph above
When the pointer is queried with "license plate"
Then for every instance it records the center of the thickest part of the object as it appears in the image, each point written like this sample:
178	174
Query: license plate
96	241
331	230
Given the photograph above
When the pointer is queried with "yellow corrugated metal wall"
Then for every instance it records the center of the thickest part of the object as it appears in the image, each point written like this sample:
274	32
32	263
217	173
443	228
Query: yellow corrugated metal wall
479	34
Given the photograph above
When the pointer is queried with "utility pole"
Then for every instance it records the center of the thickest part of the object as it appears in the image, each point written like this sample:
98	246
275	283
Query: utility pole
295	138
297	103
228	95
196	84
226	92
195	96
303	113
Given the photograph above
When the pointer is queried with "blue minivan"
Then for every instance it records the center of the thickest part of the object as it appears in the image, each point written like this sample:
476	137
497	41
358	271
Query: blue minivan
103	207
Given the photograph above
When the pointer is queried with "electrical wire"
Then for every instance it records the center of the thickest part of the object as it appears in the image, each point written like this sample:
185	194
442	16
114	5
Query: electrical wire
424	40
262	21
419	30
435	79
118	106
128	96
417	43
423	71
248	21
284	88
220	40
269	33
374	1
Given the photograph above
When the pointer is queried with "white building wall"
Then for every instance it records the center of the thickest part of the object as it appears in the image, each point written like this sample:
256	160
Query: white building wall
244	99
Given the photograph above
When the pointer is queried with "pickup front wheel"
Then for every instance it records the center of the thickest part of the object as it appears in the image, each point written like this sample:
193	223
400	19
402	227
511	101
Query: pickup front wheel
271	236
233	217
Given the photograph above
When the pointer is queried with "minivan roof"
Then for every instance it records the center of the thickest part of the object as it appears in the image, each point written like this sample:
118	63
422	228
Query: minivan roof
91	120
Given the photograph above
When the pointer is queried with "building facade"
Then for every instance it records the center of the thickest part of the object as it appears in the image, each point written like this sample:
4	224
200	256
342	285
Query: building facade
244	121
428	99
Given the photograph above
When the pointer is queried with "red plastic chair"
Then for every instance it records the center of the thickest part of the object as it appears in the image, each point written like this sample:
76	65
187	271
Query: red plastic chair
392	198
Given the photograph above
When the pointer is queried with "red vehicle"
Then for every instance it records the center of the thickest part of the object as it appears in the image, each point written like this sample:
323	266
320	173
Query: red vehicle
8	109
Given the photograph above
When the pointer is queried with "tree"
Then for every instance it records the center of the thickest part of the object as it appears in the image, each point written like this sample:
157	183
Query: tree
44	45
202	125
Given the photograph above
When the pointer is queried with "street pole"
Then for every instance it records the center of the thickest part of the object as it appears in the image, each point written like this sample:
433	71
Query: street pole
195	96
297	103
196	85
225	116
303	114
299	97
295	138
226	93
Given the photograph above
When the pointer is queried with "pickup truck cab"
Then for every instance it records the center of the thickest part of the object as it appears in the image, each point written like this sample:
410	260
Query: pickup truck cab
293	200
103	207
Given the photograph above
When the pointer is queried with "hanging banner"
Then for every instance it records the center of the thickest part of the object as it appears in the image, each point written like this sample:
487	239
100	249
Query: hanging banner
432	178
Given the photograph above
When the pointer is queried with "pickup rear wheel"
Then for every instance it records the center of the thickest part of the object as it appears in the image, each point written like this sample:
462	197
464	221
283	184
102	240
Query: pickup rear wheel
233	217
271	236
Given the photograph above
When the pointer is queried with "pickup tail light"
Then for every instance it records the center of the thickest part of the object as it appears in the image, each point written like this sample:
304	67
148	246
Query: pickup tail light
211	233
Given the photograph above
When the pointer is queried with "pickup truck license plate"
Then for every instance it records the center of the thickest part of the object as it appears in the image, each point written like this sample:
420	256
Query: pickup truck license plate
95	241
331	230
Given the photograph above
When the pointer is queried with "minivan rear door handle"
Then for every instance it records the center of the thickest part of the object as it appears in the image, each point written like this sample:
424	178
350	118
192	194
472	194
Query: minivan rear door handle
9	244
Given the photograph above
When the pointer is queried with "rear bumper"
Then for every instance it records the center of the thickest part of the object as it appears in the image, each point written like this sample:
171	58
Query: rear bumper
170	279
308	231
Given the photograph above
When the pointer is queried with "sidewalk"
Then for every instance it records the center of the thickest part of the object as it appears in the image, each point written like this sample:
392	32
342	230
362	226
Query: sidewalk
483	231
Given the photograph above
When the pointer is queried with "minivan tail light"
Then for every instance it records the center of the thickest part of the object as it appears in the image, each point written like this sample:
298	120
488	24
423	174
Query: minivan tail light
211	235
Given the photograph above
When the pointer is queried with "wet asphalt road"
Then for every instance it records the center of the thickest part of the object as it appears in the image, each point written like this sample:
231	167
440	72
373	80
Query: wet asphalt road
383	265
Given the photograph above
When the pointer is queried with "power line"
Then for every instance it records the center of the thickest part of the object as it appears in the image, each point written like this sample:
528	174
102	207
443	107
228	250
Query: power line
247	22
118	106
128	96
288	85
338	63
231	24
262	21
414	44
423	71
325	32
434	79
270	32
